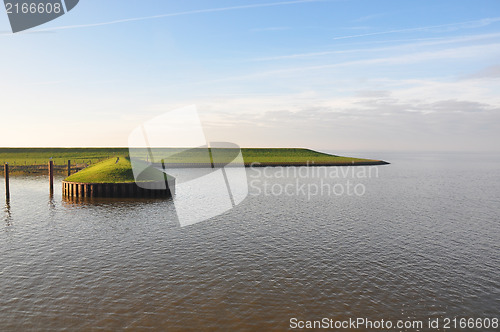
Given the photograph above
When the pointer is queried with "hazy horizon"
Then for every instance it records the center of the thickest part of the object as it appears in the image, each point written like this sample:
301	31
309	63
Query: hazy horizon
321	74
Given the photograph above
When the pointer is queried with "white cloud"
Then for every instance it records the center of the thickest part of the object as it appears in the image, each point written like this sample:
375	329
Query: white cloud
405	115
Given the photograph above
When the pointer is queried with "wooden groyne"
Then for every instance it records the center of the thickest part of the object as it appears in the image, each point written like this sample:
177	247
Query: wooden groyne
132	190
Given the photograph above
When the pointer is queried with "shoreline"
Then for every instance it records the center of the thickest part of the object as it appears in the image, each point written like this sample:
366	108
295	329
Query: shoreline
278	164
27	161
59	169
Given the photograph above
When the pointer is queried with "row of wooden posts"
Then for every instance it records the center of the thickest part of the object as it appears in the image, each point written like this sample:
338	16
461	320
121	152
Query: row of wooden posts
51	177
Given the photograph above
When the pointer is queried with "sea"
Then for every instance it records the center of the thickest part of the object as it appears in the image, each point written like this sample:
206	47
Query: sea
417	240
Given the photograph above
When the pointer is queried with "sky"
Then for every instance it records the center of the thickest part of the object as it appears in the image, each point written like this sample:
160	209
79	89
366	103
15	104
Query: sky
323	74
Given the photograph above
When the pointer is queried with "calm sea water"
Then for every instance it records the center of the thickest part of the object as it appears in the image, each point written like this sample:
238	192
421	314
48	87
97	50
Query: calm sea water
423	241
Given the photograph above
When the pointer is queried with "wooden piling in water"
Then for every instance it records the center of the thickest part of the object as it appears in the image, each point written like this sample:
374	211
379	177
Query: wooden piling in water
51	176
7	189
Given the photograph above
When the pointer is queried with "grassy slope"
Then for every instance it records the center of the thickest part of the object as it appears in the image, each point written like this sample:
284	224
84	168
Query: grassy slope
60	156
109	171
41	156
271	155
294	155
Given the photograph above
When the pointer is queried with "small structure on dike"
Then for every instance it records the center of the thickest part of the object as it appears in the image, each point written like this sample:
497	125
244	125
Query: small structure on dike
114	178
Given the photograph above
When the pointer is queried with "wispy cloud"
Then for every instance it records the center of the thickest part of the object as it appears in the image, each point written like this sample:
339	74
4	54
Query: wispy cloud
369	17
184	13
458	25
270	29
464	52
409	44
358	27
322	71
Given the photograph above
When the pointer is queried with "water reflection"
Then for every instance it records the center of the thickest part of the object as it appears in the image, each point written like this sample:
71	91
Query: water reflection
422	242
8	214
69	201
52	204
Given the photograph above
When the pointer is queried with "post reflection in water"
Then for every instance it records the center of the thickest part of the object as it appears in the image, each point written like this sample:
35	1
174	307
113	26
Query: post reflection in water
52	204
8	214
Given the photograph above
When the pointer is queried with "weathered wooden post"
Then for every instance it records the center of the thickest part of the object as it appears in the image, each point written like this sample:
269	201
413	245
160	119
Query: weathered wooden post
69	167
7	189
51	175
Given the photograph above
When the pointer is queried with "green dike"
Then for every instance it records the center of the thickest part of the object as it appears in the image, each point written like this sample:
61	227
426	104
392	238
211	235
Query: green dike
284	155
265	156
271	156
111	171
60	156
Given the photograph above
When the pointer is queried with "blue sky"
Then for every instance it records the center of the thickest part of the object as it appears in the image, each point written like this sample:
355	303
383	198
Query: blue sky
330	75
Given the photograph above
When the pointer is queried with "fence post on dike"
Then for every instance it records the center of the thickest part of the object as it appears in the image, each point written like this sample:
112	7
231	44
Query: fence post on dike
6	173
51	176
69	167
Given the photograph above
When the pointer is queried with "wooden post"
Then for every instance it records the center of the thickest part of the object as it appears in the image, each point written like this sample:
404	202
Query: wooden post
69	167
51	176
7	189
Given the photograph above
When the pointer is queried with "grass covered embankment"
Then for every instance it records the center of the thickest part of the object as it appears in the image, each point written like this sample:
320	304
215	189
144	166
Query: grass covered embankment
29	159
285	157
256	156
115	170
60	156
